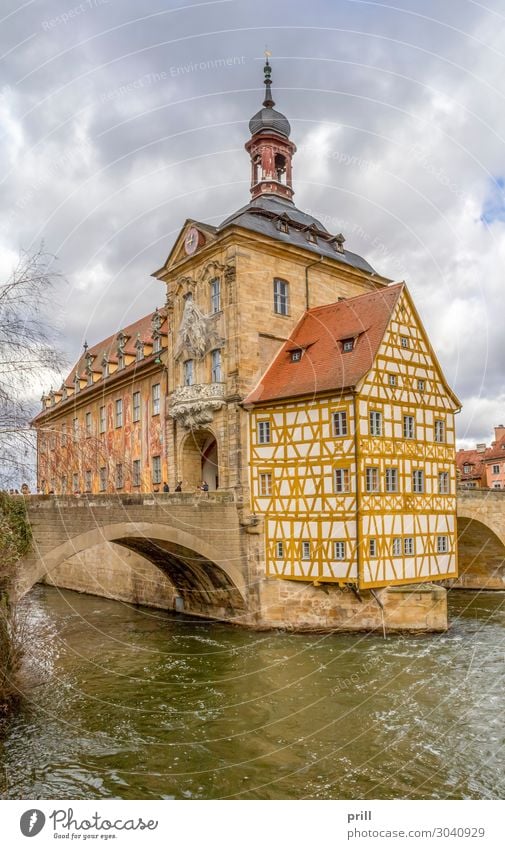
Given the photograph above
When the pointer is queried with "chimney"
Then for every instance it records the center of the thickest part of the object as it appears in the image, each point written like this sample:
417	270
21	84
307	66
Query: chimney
499	434
480	447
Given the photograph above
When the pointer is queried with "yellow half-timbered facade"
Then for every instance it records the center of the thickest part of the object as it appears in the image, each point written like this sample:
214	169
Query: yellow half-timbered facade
352	449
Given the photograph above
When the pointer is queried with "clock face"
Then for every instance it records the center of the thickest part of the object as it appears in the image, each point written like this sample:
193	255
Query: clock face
192	241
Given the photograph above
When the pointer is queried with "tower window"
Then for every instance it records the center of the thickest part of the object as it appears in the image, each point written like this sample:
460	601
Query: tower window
280	167
281	296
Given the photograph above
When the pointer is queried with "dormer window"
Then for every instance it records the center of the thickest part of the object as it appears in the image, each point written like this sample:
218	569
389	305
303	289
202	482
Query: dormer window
296	355
282	225
139	346
64	393
89	377
120	360
338	243
311	236
105	367
347	345
77	383
156	344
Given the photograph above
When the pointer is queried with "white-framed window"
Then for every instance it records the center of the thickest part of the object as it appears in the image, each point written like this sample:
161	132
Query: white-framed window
408	546
103	478
397	546
418	480
264	432
89	425
341	480
340	423
189	377
392	379
87	480
279	550
75	482
265	482
281	296
156	396
136	407
404	341
119	412
136	473
216	366
119	476
443	483
156	344
375	423
305	549
466	469
102	420
140	351
439	430
408	427
339	550
496	469
442	544
420	385
215	295
372	548
372	479
392	480
157	469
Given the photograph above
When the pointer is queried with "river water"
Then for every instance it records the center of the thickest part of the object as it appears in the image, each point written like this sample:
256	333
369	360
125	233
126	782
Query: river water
140	704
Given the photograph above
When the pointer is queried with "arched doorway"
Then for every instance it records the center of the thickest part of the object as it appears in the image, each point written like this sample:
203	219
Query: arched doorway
200	460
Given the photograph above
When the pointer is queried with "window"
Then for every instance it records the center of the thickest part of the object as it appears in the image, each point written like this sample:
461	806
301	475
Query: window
442	545
157	469
339	550
372	547
87	480
119	412
466	469
119	476
496	469
64	434
64	484
105	368
408	546
281	297
391	480
279	550
420	385
75	426
404	341
340	423
136	473
103	478
215	295
347	345
120	361
296	355
443	482
372	480
136	406
375	424
155	394
102	420
75	482
311	236
216	366
188	373
265	483
392	379
496	485
439	431
408	427
263	432
139	345
418	480
156	344
341	480
397	547
282	226
89	426
305	549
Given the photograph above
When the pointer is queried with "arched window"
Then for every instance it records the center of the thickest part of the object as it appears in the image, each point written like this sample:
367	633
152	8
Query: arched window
280	167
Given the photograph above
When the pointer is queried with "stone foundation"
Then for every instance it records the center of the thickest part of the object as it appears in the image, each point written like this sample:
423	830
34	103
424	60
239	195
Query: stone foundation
300	606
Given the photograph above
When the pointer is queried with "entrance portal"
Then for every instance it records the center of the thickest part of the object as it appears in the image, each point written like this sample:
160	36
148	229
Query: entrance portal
200	461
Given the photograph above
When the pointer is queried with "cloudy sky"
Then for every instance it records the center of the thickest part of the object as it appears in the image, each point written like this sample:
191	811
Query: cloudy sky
118	120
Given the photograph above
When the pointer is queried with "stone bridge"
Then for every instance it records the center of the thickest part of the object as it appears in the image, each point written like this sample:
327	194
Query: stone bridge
180	550
481	539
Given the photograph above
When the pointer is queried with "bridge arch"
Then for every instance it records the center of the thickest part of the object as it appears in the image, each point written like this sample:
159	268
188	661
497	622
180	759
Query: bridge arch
481	549
207	584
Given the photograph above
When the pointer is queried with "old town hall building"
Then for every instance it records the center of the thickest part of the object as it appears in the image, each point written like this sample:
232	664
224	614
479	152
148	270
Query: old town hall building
284	369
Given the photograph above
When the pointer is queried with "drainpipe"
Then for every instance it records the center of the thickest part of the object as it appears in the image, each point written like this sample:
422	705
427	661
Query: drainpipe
310	265
358	487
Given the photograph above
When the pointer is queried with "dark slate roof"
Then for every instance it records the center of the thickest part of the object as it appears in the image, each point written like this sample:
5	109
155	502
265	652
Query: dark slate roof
261	216
269	119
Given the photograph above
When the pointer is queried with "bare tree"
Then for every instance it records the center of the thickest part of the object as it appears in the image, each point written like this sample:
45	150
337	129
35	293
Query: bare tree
27	355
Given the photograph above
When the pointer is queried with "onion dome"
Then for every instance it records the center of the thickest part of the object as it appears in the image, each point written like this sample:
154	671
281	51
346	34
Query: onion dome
268	118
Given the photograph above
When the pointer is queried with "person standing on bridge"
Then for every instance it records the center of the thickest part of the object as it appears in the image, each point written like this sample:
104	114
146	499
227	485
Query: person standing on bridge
166	487
178	488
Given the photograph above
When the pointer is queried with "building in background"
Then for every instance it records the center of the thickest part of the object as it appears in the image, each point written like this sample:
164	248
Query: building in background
103	430
483	466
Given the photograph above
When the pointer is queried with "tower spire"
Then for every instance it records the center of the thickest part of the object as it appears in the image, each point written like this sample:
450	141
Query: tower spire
267	70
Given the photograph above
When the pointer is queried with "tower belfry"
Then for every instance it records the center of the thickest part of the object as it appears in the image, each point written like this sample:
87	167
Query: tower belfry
270	148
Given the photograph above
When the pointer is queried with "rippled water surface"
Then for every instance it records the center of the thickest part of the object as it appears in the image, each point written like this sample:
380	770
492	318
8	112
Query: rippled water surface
140	704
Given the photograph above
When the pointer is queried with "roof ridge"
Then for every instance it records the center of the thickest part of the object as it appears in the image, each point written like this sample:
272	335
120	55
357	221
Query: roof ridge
382	291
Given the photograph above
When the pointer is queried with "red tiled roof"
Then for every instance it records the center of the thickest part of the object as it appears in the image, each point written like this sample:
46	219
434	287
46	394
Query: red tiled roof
324	365
475	459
